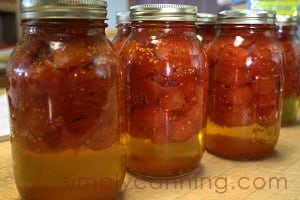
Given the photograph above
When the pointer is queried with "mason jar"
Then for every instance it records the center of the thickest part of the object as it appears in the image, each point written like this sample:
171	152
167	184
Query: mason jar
246	85
206	31
123	30
64	92
286	34
167	80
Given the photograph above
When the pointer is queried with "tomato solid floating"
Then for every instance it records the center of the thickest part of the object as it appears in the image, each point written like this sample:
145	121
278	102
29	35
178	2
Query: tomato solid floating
146	120
74	53
266	85
266	99
233	57
267	115
231	76
172	99
237	115
240	95
146	91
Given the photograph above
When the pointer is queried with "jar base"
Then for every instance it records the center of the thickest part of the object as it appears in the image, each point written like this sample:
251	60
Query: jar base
70	174
164	160
238	149
149	177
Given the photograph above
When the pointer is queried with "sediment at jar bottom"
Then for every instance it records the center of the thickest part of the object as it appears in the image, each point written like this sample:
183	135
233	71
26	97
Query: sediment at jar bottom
165	160
242	142
73	175
289	111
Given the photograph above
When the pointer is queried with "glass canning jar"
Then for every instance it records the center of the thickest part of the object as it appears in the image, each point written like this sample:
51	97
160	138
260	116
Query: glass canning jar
286	34
167	80
63	85
206	30
123	27
246	85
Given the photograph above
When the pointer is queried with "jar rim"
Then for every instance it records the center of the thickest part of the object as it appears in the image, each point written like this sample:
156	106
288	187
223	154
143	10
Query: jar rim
246	16
163	12
206	18
63	9
286	20
123	17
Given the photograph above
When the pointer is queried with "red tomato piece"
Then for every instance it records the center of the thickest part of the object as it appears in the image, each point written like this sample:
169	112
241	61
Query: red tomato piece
267	115
266	85
172	99
147	122
240	95
183	129
239	115
258	53
264	68
188	89
79	116
188	124
106	131
74	53
173	50
267	99
145	91
231	76
29	50
233	57
219	97
215	48
264	43
138	72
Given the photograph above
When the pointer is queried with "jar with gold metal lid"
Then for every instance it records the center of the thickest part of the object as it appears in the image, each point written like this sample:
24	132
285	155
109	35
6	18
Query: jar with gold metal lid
246	85
286	34
167	80
64	88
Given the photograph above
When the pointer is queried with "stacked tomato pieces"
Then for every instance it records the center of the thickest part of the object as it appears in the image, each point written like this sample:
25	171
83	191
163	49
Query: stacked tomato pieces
245	81
65	89
291	67
168	81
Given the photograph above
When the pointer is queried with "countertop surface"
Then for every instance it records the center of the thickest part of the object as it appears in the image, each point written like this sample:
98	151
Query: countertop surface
277	177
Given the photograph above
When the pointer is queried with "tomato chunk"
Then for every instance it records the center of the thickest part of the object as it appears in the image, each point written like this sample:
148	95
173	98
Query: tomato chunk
233	57
173	99
239	115
231	76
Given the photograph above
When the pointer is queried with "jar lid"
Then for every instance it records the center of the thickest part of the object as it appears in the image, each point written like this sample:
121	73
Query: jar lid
286	20
206	18
163	12
63	9
123	17
246	17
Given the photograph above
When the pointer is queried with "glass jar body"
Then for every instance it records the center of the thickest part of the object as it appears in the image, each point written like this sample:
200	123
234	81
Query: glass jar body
122	35
206	33
289	44
64	85
245	93
167	79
